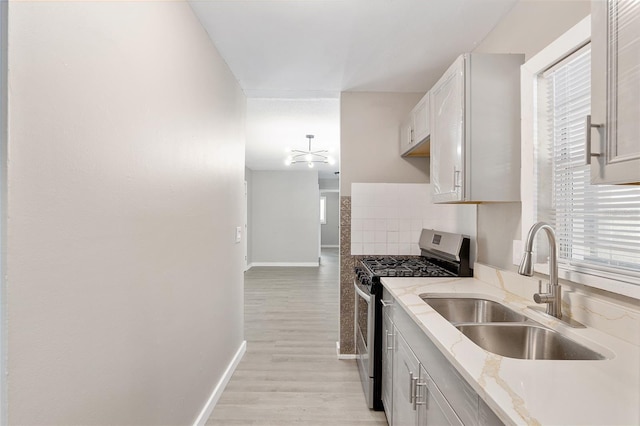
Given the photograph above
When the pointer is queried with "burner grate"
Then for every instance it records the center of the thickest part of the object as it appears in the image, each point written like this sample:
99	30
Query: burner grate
404	267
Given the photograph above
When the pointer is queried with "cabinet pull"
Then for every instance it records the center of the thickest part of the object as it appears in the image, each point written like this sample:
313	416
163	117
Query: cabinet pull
389	335
386	303
456	173
413	390
587	144
411	382
419	395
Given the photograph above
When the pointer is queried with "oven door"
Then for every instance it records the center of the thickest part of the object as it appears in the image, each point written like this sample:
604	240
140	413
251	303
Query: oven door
364	323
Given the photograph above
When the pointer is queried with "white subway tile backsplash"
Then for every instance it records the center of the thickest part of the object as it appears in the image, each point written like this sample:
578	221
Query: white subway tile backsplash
368	236
368	248
404	237
387	218
357	211
356	249
357	195
368	224
416	224
392	211
393	248
404	212
380	212
380	248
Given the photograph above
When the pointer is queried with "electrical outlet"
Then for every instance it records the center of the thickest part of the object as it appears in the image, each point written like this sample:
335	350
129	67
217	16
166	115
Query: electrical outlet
238	234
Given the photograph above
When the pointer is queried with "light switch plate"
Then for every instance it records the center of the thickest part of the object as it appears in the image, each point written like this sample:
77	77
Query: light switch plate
238	234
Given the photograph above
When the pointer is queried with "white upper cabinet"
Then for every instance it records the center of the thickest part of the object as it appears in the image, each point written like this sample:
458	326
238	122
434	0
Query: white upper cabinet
448	134
615	83
414	133
406	137
420	119
475	130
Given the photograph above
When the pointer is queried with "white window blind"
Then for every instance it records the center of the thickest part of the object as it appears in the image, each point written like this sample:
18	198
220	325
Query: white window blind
597	226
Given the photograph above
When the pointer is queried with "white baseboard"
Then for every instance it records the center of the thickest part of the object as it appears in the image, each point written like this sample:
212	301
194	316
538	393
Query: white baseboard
294	264
222	383
329	246
343	356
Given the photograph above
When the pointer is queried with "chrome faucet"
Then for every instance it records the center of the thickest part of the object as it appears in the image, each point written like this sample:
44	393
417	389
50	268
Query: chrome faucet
552	297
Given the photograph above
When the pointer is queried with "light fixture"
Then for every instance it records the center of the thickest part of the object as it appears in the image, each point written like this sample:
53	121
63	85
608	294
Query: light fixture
309	157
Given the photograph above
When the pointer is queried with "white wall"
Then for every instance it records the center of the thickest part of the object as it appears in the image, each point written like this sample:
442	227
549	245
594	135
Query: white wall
330	231
285	217
248	177
370	139
125	177
528	28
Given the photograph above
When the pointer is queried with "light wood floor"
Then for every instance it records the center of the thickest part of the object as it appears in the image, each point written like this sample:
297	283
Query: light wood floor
290	374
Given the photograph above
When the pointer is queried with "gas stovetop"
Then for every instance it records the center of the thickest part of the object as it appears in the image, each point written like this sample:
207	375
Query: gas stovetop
404	266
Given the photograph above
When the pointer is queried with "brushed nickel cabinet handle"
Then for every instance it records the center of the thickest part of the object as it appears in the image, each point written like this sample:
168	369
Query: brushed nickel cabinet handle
587	144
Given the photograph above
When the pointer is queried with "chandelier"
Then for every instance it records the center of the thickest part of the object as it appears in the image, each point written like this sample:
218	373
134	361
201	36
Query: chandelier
309	157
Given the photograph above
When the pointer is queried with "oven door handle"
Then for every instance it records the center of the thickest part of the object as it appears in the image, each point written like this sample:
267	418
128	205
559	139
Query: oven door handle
361	293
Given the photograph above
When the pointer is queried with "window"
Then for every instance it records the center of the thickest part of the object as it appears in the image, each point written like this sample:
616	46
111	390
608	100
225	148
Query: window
323	210
597	226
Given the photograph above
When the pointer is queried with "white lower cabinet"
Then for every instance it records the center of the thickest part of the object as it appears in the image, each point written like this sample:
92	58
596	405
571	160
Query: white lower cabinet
406	372
419	385
387	365
416	398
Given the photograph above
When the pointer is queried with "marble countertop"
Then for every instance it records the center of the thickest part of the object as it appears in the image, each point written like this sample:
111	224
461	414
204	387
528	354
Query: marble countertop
544	392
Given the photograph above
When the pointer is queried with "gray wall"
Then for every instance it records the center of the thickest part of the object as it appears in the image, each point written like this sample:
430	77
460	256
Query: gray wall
370	140
329	183
330	231
125	186
286	217
528	28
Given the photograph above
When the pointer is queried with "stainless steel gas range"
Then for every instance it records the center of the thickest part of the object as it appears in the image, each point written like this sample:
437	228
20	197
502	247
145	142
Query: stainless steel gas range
443	255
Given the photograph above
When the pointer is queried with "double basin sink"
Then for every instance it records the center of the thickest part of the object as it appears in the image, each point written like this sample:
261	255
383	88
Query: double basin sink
498	329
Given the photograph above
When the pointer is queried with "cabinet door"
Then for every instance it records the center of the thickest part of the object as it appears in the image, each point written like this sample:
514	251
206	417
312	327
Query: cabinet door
406	372
615	91
406	137
387	365
486	417
433	407
447	134
420	119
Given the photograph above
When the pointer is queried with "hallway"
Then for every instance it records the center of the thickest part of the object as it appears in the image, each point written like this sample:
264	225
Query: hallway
290	374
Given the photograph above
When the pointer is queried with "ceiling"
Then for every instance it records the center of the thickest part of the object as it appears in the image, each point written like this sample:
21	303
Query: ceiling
304	50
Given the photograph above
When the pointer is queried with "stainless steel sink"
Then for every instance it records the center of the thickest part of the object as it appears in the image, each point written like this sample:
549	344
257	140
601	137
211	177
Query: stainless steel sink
475	310
523	341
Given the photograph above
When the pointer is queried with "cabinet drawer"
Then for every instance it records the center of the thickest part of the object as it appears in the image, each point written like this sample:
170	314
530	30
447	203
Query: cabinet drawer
388	303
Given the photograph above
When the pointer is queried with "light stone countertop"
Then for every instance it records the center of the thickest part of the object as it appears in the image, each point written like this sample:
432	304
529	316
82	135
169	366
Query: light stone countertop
544	392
